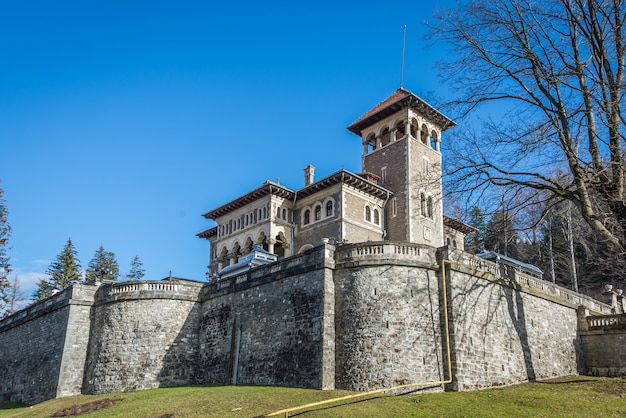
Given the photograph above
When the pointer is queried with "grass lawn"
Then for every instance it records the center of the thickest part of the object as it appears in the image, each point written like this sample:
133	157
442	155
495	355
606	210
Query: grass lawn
579	396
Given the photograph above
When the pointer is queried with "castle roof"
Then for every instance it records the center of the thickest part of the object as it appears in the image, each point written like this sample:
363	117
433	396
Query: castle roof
398	100
346	177
269	187
266	189
458	225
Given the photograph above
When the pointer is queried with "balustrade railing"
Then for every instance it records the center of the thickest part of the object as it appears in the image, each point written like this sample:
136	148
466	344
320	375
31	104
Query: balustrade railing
389	249
160	286
607	321
505	271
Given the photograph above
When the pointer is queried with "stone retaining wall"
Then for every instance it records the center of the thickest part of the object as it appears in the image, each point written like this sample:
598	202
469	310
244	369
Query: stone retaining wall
603	339
504	333
359	317
43	347
272	326
144	335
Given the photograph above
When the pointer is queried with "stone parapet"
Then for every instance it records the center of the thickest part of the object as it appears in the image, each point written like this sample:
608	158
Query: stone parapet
79	294
148	289
314	259
540	287
385	252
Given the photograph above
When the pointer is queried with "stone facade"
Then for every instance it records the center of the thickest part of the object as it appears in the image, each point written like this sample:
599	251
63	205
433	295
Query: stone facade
143	335
43	347
358	317
603	340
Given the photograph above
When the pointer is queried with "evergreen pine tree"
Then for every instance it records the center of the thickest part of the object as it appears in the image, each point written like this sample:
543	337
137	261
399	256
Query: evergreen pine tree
62	273
103	266
5	266
476	241
500	235
136	269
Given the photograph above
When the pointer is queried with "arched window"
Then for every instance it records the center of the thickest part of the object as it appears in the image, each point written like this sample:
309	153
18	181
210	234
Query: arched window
424	135
386	136
430	206
368	214
376	217
400	130
278	213
318	212
329	208
285	214
423	203
247	219
307	217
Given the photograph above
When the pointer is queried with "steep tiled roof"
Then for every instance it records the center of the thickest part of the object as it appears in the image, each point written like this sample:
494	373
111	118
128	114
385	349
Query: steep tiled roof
400	99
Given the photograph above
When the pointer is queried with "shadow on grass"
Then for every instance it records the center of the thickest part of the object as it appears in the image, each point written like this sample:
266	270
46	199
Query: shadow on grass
12	405
563	382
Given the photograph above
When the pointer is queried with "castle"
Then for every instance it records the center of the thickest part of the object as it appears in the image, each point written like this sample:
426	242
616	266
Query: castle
396	197
356	281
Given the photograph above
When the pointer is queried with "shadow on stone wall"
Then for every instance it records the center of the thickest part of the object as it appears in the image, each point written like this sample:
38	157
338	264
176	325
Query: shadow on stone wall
181	359
142	344
515	304
214	345
477	328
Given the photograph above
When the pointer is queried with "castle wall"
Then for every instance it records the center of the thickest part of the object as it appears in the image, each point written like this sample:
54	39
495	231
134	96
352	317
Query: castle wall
144	335
387	317
358	316
508	331
603	340
273	325
43	347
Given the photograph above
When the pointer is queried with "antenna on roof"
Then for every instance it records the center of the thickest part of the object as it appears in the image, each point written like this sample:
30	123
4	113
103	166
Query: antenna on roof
402	66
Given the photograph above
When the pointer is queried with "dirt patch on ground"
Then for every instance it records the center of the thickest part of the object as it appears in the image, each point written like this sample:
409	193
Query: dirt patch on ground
86	408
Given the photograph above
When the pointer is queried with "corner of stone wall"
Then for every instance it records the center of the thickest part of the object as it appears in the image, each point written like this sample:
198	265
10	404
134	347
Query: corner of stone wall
78	329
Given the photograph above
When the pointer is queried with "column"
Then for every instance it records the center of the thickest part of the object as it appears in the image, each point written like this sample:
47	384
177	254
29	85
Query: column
270	245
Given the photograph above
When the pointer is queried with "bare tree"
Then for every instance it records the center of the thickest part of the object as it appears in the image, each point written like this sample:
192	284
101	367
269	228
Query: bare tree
15	296
557	66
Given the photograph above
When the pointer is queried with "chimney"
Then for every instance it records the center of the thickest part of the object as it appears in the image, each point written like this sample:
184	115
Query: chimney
309	175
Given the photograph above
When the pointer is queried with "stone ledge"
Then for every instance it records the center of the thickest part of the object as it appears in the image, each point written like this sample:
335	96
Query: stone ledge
78	294
146	290
318	258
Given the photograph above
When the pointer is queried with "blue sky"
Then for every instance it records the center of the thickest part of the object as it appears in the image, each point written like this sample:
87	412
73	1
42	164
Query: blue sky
122	122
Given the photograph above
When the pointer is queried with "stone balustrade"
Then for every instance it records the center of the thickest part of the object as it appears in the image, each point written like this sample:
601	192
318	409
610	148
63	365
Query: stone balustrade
552	289
148	289
617	321
379	252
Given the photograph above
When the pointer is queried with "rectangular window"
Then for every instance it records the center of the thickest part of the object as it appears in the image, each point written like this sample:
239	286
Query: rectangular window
425	165
383	175
394	207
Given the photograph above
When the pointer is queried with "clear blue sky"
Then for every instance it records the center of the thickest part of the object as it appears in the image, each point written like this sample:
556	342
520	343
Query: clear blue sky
121	122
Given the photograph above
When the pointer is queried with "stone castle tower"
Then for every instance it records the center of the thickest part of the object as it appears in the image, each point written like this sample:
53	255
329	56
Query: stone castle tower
401	139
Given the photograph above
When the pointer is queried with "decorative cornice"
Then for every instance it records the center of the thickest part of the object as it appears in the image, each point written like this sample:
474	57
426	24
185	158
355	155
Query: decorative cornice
398	100
458	225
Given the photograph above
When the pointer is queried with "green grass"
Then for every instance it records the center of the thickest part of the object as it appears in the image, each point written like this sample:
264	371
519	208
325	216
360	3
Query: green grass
579	396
